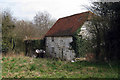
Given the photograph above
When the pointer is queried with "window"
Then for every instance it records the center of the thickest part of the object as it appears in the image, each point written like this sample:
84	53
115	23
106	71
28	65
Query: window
52	49
61	40
52	39
55	54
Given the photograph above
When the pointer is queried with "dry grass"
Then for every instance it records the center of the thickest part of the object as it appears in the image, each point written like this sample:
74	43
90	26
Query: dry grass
20	66
13	54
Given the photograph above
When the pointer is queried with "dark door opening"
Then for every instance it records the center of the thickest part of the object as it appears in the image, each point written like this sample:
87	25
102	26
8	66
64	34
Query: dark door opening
62	53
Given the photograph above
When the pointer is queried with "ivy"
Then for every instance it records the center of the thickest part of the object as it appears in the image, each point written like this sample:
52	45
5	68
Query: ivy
79	45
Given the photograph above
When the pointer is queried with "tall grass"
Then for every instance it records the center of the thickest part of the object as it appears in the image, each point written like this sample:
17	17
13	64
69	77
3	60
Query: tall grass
26	67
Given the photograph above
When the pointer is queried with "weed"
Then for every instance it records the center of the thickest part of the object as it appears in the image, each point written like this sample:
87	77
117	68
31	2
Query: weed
21	66
68	67
3	58
24	61
41	70
32	67
99	70
52	65
59	62
13	60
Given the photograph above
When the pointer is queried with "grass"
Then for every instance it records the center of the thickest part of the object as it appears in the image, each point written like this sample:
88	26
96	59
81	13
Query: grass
26	67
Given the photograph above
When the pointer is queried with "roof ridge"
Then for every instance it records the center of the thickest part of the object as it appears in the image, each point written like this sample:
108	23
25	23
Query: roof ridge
75	14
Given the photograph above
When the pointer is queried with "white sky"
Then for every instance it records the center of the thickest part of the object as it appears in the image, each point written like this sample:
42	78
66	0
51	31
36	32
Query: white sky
26	9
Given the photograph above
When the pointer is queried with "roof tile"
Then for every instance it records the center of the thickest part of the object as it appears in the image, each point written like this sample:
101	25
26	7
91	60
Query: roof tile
67	26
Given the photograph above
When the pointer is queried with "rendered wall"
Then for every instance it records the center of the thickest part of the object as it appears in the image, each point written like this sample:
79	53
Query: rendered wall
59	47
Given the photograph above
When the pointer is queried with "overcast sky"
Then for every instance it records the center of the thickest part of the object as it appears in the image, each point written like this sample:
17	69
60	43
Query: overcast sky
26	9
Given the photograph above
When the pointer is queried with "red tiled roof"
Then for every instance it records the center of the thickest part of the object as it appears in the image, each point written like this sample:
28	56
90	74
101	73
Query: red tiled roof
67	26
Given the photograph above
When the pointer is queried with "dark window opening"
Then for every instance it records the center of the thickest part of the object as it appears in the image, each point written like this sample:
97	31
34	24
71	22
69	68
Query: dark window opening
67	50
55	54
62	53
52	39
61	40
52	49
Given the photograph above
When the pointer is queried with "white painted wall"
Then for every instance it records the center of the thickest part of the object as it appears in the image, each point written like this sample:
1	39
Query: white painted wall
84	31
60	47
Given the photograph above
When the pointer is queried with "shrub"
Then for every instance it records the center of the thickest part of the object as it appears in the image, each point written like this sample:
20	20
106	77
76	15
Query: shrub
90	57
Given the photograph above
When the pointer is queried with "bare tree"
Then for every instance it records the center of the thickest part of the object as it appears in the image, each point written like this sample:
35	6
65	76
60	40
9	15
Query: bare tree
24	29
43	22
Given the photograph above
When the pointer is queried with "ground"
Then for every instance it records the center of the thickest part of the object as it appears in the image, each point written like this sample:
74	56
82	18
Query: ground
26	67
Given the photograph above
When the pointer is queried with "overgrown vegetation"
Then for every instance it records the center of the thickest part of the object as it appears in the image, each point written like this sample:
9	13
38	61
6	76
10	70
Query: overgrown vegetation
32	45
14	31
26	67
80	45
7	26
105	43
105	28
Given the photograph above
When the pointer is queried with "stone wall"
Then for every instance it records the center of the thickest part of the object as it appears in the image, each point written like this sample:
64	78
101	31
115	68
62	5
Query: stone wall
59	47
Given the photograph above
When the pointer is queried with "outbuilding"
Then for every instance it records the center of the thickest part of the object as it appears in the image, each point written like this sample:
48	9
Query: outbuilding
59	37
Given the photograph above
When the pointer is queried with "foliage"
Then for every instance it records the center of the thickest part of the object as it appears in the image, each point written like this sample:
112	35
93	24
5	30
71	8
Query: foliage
32	45
112	41
97	29
80	45
7	26
14	31
23	30
106	29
